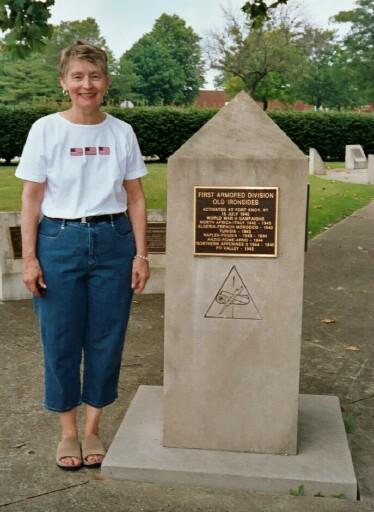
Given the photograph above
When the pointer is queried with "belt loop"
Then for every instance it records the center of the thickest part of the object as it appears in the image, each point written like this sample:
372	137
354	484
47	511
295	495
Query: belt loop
111	219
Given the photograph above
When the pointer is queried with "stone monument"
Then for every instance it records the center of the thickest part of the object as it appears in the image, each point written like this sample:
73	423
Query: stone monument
355	157
236	213
11	284
371	169
316	164
231	368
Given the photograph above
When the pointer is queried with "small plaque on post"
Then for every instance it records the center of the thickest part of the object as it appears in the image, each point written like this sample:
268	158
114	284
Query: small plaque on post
156	236
236	221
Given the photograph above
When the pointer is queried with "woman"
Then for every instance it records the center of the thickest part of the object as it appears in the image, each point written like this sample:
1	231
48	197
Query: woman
81	169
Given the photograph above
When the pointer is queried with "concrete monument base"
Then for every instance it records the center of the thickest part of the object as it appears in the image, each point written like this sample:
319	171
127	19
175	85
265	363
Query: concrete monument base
323	464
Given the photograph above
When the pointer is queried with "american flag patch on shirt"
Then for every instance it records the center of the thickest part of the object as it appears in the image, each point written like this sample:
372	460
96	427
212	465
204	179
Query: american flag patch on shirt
76	151
104	150
90	150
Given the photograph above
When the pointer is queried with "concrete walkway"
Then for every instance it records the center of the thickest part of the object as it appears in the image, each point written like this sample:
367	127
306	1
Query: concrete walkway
337	359
360	176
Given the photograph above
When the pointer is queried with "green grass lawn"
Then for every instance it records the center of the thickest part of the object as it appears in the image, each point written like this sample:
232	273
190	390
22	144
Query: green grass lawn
155	186
335	165
330	201
11	187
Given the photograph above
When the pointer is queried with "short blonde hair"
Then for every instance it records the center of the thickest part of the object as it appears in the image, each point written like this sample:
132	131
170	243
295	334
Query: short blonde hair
84	51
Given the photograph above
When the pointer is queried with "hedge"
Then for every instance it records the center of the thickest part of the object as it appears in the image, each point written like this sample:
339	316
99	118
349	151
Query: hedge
161	131
328	132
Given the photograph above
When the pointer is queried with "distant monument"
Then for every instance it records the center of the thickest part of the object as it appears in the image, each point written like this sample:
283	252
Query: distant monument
127	104
316	164
237	193
371	169
355	157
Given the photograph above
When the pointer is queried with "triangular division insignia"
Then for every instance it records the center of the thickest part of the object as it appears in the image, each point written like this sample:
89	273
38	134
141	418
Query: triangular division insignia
233	300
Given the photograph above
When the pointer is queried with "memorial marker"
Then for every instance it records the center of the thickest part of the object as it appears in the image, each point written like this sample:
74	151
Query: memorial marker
237	193
371	169
316	164
355	157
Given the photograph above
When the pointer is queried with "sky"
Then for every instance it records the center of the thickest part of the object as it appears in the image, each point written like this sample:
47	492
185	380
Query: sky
123	22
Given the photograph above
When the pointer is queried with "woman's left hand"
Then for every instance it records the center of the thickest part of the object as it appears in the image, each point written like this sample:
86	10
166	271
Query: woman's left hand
140	274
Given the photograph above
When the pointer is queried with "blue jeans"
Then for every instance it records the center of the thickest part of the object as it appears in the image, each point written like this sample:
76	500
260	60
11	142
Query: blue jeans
85	309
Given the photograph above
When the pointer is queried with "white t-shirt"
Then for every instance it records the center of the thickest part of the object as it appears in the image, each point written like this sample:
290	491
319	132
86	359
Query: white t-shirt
84	166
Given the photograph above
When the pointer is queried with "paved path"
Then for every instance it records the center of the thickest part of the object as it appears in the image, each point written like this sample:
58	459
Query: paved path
337	358
360	176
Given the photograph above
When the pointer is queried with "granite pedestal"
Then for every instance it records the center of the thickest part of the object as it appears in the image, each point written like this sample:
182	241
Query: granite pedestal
323	464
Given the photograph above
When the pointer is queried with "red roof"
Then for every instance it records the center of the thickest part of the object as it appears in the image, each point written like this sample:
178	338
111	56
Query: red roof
206	99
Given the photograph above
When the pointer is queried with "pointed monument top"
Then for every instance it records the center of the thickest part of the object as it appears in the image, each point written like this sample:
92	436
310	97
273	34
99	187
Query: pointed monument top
240	130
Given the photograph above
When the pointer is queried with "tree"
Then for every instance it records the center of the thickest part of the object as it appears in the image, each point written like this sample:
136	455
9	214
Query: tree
27	80
265	59
25	24
359	45
36	77
67	32
259	11
327	79
166	63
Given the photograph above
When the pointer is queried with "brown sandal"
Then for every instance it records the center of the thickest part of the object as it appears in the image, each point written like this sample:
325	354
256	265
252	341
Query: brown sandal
69	447
92	445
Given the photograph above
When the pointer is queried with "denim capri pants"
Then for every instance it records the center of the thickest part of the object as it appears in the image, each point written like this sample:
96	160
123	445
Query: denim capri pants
85	309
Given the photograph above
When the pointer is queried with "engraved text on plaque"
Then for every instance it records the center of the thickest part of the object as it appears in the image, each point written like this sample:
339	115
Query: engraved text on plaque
236	221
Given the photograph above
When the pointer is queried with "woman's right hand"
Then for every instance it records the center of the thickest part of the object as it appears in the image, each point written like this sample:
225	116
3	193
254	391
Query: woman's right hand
33	277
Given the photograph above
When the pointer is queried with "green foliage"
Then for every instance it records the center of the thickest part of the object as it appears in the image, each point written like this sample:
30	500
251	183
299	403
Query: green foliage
36	77
14	126
297	492
259	11
25	24
349	425
359	44
274	55
162	130
327	79
328	132
166	64
266	60
28	80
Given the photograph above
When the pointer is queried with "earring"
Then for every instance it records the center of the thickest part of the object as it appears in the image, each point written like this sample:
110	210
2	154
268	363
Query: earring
64	92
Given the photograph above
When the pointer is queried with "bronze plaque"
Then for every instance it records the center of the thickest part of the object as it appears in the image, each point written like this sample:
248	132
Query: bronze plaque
156	237
236	221
15	237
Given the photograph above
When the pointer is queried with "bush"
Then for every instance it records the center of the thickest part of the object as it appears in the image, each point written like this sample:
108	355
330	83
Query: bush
328	132
15	123
161	131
